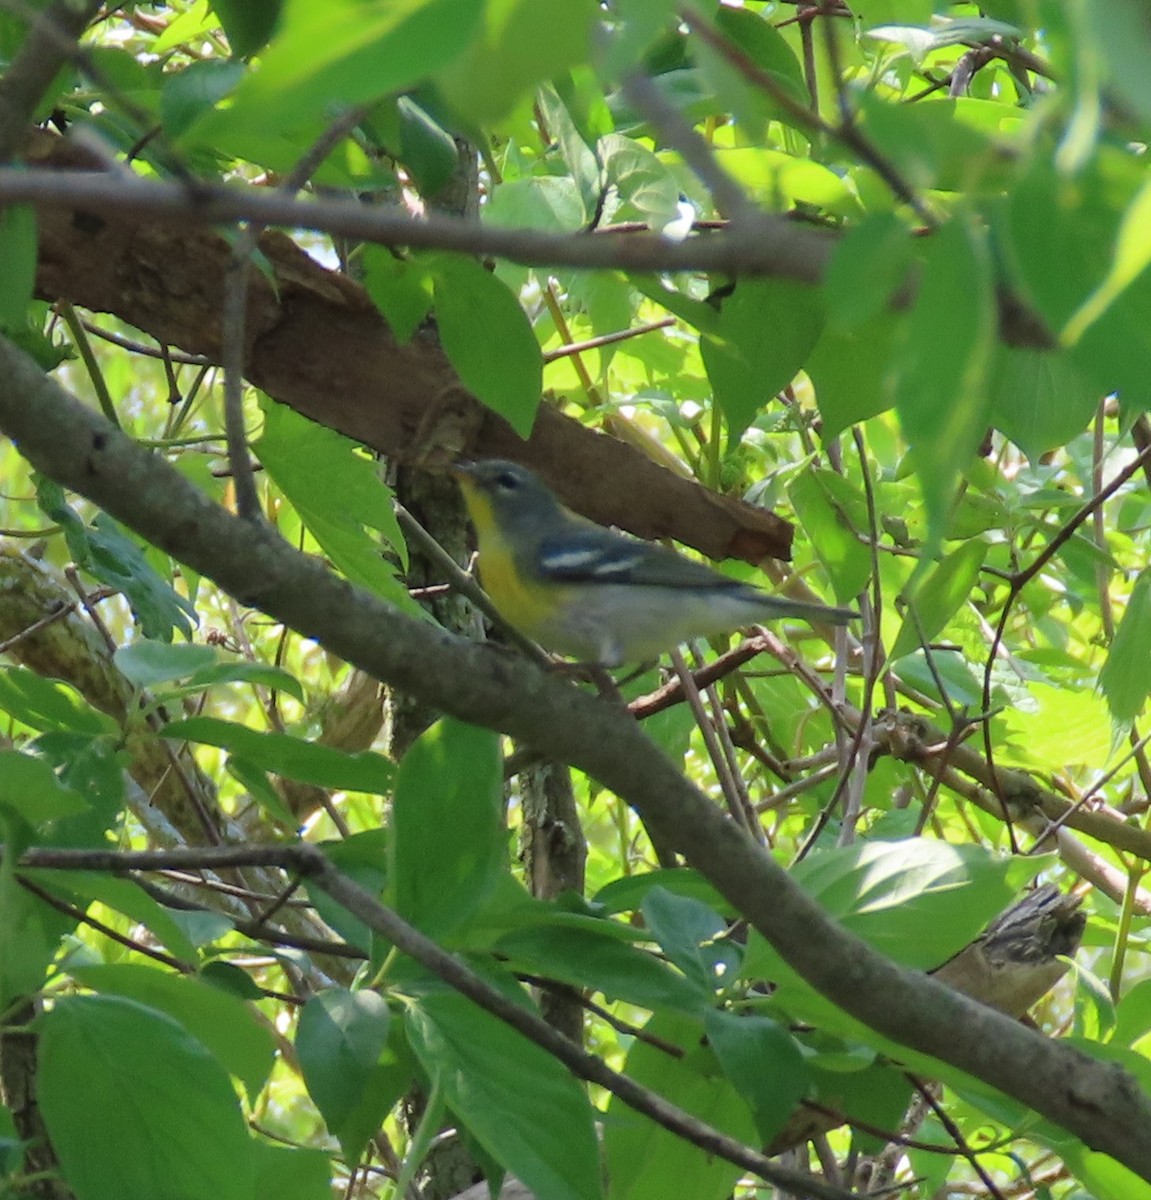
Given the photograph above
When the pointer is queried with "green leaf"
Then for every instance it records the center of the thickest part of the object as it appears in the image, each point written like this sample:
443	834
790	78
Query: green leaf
201	927
30	930
18	244
29	786
876	1094
938	143
520	44
146	663
259	674
339	496
122	895
636	25
1040	399
783	182
693	936
573	142
1126	675
259	785
195	21
288	1173
866	268
1079	245
400	288
107	553
696	313
295	758
1061	232
448	843
248	24
339	1040
759	39
1125	39
585	959
647	189
363	857
939	597
325	58
646	1161
850	372
763	1063
754	37
917	901
515	1099
1133	1015
767	328
628	893
50	704
225	1025
189	93
94	769
488	338
551	204
230	979
831	509
1106	1178
941	368
103	1059
428	151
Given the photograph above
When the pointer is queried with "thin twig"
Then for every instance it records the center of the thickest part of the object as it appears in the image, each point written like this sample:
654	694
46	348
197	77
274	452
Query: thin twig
606	339
737	803
234	315
1022	578
310	862
55	615
161	352
944	1118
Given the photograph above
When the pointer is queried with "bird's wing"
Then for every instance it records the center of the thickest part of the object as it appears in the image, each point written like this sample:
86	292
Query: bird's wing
595	555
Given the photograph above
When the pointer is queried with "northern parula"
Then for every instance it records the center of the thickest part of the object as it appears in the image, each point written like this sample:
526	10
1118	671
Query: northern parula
594	594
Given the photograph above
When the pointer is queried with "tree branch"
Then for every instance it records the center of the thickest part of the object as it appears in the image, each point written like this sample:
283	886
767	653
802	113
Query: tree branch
318	344
759	244
309	861
1098	1102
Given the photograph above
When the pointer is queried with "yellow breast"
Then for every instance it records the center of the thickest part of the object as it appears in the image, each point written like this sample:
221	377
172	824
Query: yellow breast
522	602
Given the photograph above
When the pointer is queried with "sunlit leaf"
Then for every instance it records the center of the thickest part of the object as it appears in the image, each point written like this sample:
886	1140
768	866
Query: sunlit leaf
488	338
941	367
766	330
938	597
296	758
1126	676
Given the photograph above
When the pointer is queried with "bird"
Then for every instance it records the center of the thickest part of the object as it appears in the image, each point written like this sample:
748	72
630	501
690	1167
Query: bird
593	594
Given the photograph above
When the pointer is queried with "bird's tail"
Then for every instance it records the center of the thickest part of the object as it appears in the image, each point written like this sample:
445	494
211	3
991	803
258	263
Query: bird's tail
775	607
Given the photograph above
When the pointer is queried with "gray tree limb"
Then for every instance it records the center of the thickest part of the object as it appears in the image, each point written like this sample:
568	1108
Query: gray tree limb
1098	1102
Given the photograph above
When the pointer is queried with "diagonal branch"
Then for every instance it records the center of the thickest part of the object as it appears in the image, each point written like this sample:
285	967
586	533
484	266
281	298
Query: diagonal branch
309	861
1100	1103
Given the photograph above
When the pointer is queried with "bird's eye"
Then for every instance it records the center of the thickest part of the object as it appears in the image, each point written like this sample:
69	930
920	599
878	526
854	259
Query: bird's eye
506	481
